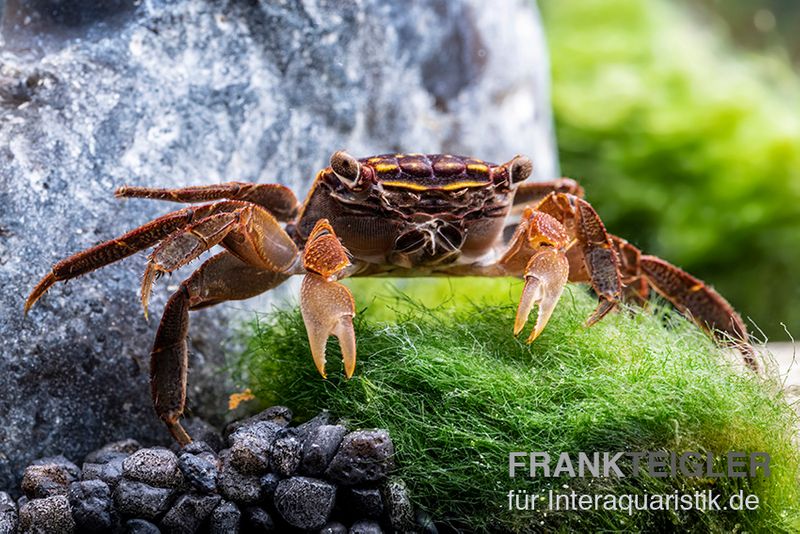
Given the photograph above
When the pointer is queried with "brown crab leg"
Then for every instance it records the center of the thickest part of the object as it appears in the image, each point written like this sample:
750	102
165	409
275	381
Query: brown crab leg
529	193
279	200
327	306
250	232
223	277
116	249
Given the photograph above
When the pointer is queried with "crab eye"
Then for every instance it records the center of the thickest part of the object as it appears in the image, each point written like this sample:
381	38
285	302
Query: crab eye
346	167
520	168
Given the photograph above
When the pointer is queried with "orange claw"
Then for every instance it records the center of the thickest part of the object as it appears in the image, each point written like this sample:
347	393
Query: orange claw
545	278
328	309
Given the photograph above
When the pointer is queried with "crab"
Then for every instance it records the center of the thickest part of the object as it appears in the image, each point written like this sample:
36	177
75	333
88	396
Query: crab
390	215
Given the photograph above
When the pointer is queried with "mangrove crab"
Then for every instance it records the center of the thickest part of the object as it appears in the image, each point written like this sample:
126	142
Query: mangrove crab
391	215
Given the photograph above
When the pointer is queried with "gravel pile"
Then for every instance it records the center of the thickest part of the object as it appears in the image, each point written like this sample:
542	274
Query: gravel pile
260	475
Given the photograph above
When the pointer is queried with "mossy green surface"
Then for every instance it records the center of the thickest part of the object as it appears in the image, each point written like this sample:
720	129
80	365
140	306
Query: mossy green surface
458	392
686	145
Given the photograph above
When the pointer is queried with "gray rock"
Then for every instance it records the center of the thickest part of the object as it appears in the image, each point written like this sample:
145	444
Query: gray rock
198	447
280	415
157	467
398	505
425	523
51	515
109	472
235	486
365	502
49	476
182	92
257	519
286	453
137	499
269	484
305	502
323	418
189	512
250	446
334	527
364	456
202	432
366	527
141	526
8	514
319	448
92	505
200	471
113	450
225	519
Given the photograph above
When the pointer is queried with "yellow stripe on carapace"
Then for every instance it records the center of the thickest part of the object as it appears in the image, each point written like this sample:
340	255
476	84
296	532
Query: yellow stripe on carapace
385	167
449	187
478	167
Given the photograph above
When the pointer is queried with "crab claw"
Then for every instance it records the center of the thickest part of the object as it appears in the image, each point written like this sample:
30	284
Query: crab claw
545	277
328	309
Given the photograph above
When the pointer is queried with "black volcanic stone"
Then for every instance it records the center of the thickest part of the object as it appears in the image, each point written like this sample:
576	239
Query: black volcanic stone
141	526
225	519
305	429
269	483
279	415
236	486
250	446
51	514
200	470
92	505
8	514
203	432
365	502
398	505
189	512
109	470
49	476
124	447
305	502
157	467
137	499
320	447
286	453
256	519
425	523
365	527
334	527
364	456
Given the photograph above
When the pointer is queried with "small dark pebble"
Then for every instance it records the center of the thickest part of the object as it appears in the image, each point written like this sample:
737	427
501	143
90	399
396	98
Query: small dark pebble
200	471
425	523
48	515
323	418
137	499
364	456
47	477
279	415
334	527
188	513
202	431
319	448
141	526
250	446
365	527
155	466
225	519
92	505
258	520
109	471
198	447
365	502
125	446
305	502
268	484
286	453
8	514
235	486
398	505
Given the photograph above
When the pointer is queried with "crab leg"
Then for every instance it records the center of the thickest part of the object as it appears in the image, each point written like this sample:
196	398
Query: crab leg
279	200
116	249
533	192
250	232
327	306
222	277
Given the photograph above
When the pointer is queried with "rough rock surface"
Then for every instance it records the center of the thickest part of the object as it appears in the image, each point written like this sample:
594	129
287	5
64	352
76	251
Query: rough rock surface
171	93
51	514
364	456
8	514
305	502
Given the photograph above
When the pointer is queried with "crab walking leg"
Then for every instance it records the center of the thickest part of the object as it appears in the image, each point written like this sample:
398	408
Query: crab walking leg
532	192
221	278
250	232
279	200
326	305
116	249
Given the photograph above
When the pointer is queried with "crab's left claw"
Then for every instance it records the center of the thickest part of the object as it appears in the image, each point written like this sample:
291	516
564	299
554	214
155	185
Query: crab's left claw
545	277
328	309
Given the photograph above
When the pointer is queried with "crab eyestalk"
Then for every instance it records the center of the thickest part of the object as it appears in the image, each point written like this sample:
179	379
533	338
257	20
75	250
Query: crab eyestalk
346	167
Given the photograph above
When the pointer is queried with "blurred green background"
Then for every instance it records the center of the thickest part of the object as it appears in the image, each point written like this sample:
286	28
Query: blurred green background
682	121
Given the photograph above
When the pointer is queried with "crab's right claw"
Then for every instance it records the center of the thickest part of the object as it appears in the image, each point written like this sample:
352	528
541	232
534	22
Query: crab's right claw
545	277
328	309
